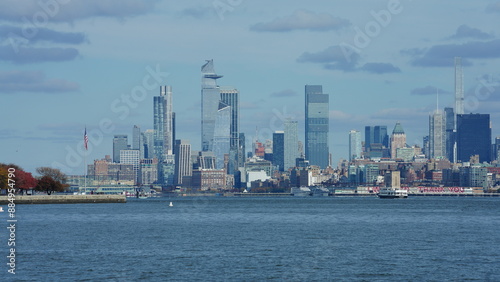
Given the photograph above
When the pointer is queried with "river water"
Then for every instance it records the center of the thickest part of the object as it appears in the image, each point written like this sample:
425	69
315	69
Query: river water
255	239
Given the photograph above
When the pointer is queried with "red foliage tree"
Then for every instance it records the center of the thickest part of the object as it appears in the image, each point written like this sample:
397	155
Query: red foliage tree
25	181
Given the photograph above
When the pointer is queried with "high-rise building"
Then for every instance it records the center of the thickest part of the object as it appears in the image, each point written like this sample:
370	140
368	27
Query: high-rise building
437	134
210	97
496	149
376	135
398	139
230	96
354	145
148	171
222	134
459	87
120	142
163	122
449	114
183	166
138	140
473	137
130	156
316	126
291	144
279	150
148	137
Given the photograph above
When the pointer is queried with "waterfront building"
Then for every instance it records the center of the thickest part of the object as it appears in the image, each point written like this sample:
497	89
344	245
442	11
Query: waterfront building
120	142
398	139
132	157
166	171
183	167
148	171
209	179
473	137
291	144
279	150
316	126
354	145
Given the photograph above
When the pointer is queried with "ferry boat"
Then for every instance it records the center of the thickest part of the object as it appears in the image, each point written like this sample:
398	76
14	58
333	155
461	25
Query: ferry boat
300	191
391	193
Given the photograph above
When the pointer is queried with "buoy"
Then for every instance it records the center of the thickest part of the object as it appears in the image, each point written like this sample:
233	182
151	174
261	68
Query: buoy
171	205
1	209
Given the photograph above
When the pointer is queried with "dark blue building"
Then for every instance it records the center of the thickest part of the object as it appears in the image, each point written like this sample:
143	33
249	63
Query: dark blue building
473	137
279	150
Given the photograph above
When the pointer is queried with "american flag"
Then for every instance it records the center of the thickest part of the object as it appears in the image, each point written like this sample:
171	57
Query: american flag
85	140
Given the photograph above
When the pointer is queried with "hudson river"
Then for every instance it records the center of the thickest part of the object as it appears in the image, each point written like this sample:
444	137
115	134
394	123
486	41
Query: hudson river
255	239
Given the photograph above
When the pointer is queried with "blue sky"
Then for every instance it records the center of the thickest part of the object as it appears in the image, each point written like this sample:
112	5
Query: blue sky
70	64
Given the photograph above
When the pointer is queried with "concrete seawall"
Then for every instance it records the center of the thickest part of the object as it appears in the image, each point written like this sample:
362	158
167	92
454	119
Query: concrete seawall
64	199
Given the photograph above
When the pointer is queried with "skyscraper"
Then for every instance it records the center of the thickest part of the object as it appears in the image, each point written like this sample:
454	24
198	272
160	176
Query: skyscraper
138	140
354	145
210	96
459	87
128	156
291	144
437	134
163	122
316	126
222	134
120	142
182	160
279	150
473	137
376	135
230	97
450	133
398	139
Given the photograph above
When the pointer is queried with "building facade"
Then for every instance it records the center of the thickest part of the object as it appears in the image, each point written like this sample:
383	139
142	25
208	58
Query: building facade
354	145
473	137
291	144
120	142
316	126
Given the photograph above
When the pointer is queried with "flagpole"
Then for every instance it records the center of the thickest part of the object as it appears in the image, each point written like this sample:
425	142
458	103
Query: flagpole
85	144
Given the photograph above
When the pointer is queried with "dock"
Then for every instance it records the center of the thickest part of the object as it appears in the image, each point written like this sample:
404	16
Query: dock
64	199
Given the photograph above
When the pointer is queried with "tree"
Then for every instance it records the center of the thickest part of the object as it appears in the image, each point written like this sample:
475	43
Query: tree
4	174
25	181
52	180
48	184
55	173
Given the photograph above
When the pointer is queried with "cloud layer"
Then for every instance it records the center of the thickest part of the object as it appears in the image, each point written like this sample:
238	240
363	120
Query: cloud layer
33	81
465	31
69	11
9	32
428	90
303	20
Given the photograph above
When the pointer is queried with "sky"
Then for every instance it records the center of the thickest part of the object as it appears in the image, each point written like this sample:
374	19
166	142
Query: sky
67	65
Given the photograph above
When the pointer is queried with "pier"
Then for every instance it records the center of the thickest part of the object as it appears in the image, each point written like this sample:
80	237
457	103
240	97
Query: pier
64	199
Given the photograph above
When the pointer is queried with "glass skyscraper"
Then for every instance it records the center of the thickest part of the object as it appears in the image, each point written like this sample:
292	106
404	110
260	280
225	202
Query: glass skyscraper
163	122
230	97
120	142
316	126
222	134
473	137
437	134
354	145
291	143
210	97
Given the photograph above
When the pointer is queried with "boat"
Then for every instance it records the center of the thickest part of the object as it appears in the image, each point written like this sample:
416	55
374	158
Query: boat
300	191
170	205
1	209
391	193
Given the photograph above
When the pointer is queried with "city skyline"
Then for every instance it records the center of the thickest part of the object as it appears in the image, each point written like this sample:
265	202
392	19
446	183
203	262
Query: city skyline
78	77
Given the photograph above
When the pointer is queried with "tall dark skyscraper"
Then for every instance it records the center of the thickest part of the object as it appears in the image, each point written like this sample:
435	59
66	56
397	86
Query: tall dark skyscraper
120	142
316	125
279	150
473	137
230	97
